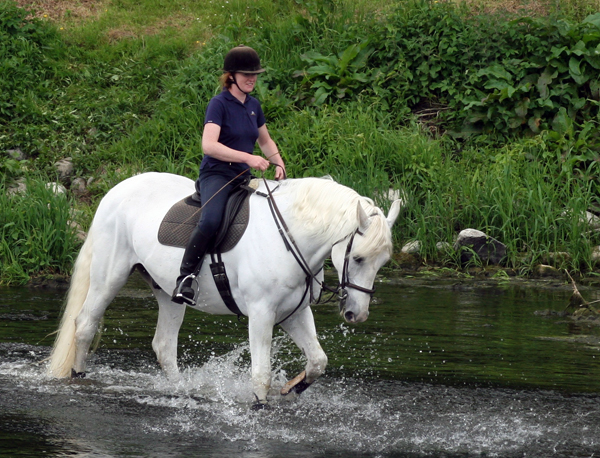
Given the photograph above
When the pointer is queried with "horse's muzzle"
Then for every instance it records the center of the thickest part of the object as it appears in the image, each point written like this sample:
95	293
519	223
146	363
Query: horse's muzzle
351	317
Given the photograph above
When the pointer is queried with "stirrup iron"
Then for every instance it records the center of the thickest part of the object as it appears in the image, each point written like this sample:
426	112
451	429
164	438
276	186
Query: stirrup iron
178	294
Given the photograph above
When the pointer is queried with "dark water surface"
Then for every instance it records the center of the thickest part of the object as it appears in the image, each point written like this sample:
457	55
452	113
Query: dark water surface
442	368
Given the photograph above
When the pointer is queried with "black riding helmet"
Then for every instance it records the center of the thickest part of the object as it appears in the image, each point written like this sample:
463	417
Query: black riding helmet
242	59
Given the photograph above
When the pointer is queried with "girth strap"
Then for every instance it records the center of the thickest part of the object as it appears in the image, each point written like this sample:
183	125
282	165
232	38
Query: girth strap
217	267
222	282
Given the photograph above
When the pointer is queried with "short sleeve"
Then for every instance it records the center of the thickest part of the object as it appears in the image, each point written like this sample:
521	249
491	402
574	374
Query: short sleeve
215	112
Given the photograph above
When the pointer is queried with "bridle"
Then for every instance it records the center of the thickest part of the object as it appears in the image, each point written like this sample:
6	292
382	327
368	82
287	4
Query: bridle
345	283
290	243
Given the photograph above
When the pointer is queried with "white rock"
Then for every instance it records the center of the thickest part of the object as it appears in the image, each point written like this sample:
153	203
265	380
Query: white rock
486	248
78	185
57	188
412	247
65	168
18	187
592	220
470	233
16	154
443	246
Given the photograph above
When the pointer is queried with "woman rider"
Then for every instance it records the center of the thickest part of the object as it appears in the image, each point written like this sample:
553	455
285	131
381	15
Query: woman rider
234	122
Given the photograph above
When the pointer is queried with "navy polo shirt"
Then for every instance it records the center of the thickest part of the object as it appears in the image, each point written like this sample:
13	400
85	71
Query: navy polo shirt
239	129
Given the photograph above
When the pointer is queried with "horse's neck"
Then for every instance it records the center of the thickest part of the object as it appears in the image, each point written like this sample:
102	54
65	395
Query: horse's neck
316	243
317	248
315	254
312	248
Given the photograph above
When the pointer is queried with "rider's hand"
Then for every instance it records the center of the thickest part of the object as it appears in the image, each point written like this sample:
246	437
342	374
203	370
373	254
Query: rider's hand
279	173
257	162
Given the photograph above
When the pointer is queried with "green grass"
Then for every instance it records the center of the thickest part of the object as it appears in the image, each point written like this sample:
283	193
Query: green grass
36	237
123	90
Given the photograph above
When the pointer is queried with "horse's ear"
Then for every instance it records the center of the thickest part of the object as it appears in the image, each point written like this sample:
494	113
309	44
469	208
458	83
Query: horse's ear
394	212
363	218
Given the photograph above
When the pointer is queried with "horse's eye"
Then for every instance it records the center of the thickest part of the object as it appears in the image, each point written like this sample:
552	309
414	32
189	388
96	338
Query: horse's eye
358	259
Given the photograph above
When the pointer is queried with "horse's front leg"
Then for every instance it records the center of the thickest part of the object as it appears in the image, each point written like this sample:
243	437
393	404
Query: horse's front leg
301	328
260	332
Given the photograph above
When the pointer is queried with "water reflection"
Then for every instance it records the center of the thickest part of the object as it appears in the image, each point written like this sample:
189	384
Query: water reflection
440	370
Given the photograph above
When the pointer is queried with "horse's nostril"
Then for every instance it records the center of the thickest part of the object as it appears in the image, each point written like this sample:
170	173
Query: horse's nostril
349	316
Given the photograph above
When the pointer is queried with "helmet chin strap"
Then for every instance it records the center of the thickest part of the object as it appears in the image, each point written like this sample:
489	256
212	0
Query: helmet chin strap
236	83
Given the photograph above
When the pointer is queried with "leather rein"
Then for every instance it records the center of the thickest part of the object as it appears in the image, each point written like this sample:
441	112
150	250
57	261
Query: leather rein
290	243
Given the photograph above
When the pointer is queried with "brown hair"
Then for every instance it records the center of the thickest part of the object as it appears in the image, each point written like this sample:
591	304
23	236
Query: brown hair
226	80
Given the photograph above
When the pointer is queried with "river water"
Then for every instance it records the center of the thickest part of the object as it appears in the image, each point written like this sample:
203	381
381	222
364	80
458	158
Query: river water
442	368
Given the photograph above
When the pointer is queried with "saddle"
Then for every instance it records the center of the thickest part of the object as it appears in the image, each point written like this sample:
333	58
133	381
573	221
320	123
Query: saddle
181	219
179	222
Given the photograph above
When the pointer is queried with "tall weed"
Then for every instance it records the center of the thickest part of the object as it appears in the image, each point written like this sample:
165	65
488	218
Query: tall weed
35	233
356	143
529	205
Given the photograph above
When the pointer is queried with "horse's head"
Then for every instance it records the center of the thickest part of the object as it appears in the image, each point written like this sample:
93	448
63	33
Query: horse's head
359	257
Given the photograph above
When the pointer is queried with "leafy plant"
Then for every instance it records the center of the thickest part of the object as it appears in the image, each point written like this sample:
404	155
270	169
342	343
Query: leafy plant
339	75
553	82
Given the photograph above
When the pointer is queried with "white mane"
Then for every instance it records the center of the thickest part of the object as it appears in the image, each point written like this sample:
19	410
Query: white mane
327	211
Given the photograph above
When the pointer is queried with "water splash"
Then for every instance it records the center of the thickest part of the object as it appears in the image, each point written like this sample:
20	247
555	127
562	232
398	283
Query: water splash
335	417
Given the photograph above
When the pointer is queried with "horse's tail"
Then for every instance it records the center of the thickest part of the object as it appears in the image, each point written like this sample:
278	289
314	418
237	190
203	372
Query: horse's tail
62	357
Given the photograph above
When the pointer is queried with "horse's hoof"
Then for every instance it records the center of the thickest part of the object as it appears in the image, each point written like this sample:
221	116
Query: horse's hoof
77	374
297	385
260	405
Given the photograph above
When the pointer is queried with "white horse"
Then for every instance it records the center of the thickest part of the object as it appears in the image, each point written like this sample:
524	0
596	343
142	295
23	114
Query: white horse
268	282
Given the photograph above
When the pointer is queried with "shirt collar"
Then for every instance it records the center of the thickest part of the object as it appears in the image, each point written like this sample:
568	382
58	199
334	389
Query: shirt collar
229	96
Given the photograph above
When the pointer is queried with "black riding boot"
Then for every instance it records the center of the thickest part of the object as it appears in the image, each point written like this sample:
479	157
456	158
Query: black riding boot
191	263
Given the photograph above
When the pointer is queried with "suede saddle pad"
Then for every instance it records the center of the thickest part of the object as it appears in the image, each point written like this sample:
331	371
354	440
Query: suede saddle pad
179	222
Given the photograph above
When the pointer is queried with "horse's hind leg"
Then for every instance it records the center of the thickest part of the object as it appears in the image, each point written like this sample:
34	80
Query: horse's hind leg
107	277
164	344
301	328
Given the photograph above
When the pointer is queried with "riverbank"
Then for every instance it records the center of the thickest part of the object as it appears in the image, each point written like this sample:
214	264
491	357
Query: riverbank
378	95
548	278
